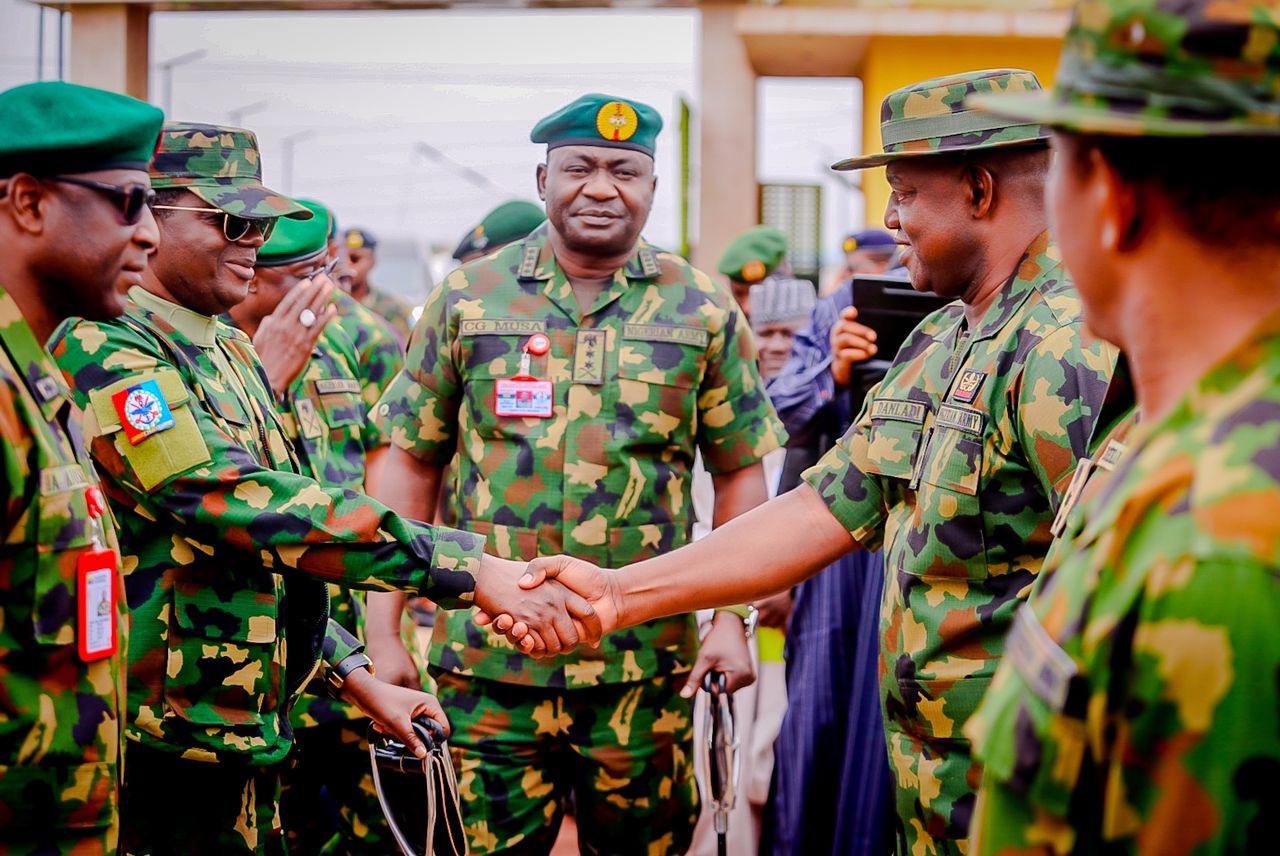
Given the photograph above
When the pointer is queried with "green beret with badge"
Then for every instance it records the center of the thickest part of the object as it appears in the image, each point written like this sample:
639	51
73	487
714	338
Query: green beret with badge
754	254
509	222
54	128
1160	69
933	118
601	120
296	240
222	166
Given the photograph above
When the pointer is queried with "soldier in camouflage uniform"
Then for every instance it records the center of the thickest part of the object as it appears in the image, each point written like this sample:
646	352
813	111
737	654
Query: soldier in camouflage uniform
959	456
362	256
217	524
73	244
286	315
1138	710
509	222
642	360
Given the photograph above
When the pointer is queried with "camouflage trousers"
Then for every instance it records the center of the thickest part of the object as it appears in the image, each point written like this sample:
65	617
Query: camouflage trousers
175	807
100	841
937	780
329	805
623	752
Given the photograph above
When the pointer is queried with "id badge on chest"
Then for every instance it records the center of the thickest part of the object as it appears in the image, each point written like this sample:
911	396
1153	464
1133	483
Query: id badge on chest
96	590
525	395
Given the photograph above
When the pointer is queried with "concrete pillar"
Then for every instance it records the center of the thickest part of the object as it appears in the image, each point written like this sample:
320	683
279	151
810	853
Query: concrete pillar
892	62
728	198
110	46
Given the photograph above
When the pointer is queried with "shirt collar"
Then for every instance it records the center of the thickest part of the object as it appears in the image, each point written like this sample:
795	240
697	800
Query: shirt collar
1041	265
201	329
39	373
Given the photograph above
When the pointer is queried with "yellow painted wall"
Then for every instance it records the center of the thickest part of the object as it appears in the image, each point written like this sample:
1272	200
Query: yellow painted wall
895	61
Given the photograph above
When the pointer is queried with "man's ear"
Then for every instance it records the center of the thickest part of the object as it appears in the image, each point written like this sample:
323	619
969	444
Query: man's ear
980	188
25	198
541	176
1124	209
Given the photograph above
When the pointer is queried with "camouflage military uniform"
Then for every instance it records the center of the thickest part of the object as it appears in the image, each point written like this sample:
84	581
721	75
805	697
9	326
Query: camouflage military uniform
955	465
61	741
396	312
659	366
380	355
215	527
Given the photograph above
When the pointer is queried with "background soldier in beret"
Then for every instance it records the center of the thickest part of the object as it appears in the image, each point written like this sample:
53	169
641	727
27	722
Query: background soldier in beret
573	374
314	366
868	252
361	249
957	461
76	230
226	546
509	222
1138	710
749	258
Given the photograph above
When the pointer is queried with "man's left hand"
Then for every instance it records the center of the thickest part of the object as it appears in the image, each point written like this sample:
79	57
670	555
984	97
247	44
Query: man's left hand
555	618
393	708
725	650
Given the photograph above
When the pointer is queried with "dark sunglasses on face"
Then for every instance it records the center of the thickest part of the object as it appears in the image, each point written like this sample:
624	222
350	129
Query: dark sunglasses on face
130	199
234	228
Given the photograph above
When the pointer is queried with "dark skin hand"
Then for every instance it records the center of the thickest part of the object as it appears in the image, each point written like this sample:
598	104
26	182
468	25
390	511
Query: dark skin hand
393	708
775	610
851	343
282	342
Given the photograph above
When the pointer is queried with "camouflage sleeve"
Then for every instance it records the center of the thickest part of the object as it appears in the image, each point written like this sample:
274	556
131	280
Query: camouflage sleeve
419	410
843	478
737	425
222	500
381	361
338	645
1056	401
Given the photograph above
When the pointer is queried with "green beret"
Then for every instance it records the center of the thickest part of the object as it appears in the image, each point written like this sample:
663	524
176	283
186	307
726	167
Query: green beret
295	240
357	239
53	127
1161	68
601	120
933	117
223	166
509	222
754	254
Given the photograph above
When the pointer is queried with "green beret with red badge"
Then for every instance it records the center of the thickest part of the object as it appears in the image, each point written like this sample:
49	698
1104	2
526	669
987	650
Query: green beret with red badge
754	254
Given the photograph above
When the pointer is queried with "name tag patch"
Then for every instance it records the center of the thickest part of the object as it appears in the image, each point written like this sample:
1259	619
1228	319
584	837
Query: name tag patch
898	410
55	480
1046	668
523	397
960	418
695	336
1110	457
967	387
332	385
500	327
142	410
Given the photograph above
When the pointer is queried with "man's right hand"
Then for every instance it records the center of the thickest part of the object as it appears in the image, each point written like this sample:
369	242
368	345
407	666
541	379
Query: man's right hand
851	343
595	584
553	618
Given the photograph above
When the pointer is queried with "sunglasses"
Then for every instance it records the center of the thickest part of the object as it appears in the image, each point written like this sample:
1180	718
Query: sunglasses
131	199
234	228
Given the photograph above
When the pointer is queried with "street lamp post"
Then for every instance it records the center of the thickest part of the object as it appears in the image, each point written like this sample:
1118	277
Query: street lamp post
236	116
288	145
478	179
166	71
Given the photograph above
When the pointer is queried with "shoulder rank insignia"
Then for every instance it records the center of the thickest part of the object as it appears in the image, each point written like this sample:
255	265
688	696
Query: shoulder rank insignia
143	411
967	387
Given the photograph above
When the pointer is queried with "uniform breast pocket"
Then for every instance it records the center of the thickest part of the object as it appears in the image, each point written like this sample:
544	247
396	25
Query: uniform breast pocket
658	381
63	532
222	667
949	503
894	439
340	401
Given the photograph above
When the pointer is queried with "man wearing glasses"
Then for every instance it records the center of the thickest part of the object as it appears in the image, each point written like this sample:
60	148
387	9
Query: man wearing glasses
217	524
76	233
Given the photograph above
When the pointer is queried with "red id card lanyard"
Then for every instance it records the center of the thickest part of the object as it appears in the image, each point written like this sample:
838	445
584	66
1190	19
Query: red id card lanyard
524	394
97	591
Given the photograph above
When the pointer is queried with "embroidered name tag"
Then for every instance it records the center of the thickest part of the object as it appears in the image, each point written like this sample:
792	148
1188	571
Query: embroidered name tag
142	410
61	479
500	327
333	385
1045	667
1110	457
695	336
960	418
898	410
588	356
967	387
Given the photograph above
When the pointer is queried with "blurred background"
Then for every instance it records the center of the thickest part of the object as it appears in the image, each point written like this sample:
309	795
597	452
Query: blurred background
411	119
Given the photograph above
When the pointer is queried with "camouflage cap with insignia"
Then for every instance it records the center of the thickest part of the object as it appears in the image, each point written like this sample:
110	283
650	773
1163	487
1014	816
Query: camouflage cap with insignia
509	222
295	240
56	127
1162	68
223	167
931	118
357	239
601	120
754	254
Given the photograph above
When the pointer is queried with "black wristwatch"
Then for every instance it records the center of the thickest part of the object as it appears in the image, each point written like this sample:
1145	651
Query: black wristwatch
337	676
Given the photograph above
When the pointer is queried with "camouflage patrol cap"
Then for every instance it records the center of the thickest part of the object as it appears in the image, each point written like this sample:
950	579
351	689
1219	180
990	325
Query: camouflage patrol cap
601	120
931	118
223	167
1162	68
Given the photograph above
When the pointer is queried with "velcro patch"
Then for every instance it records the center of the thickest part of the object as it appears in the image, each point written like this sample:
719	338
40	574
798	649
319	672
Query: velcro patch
334	385
898	410
142	411
961	418
54	480
967	387
1046	668
500	327
696	336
